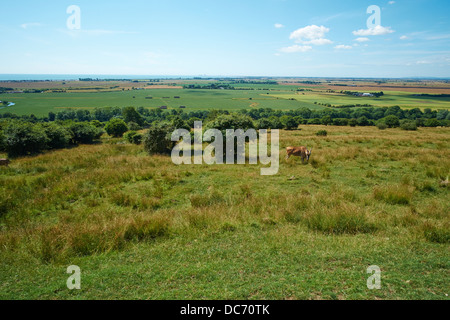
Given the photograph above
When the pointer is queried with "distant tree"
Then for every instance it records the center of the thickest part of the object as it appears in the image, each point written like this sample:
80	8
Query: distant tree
58	136
353	122
263	123
22	139
431	123
157	140
133	137
83	132
288	122
51	116
179	123
409	125
363	121
131	115
116	127
326	120
191	121
391	121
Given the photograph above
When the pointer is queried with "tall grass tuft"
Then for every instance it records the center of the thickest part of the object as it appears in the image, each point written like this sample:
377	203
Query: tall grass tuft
398	194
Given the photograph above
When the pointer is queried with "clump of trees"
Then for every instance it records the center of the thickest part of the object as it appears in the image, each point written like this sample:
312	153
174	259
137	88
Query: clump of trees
19	138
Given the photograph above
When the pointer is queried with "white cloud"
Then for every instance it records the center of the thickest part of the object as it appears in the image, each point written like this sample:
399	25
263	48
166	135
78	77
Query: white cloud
278	25
377	31
391	2
404	37
343	46
31	24
296	48
318	42
311	35
362	39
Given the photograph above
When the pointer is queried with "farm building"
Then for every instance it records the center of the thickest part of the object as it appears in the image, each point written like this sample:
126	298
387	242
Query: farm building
176	97
163	107
182	107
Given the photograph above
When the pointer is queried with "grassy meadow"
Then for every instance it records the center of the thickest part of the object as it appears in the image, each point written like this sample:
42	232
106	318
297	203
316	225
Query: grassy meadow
280	96
140	227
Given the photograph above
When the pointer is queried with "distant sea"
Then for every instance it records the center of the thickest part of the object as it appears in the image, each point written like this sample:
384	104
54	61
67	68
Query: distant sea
68	77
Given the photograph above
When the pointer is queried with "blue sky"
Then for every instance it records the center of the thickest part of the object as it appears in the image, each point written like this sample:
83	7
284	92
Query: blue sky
320	38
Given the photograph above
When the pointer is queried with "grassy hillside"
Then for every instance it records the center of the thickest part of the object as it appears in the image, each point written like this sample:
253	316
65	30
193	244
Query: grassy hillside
141	227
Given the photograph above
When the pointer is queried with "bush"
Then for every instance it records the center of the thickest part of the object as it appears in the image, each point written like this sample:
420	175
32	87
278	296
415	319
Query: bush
431	123
363	121
23	139
382	126
263	123
288	122
322	133
83	132
131	115
353	122
233	121
391	121
116	127
133	126
58	136
409	125
133	137
157	140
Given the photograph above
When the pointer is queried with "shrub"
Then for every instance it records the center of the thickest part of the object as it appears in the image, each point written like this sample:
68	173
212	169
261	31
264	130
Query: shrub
353	122
58	136
191	121
133	137
24	138
409	125
431	123
131	115
83	132
363	121
133	126
233	121
263	123
382	126
391	121
322	133
116	127
288	122
157	140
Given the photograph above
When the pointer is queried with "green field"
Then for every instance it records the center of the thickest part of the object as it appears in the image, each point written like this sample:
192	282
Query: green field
40	104
279	97
140	227
405	100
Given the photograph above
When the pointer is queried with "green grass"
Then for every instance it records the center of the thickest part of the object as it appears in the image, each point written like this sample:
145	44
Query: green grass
40	104
142	228
278	97
405	100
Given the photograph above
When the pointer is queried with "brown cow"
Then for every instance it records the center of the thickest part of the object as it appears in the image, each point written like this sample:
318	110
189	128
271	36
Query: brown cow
302	152
4	162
